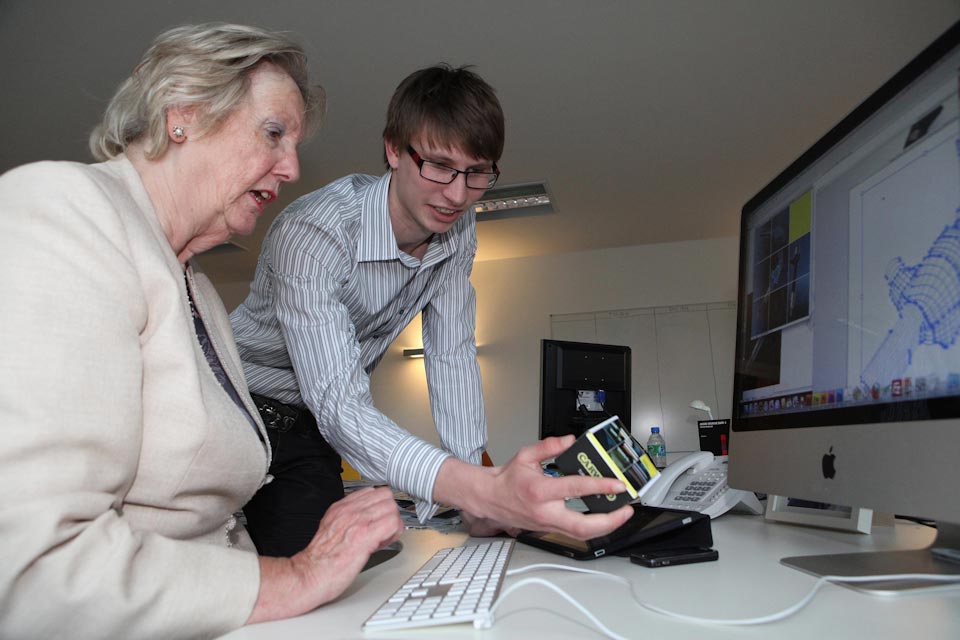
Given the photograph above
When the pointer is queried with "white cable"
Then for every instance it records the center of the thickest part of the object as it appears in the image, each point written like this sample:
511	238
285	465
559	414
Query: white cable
562	567
792	609
596	621
949	580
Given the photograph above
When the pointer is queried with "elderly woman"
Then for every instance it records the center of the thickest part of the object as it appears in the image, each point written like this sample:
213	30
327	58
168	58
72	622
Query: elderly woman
129	440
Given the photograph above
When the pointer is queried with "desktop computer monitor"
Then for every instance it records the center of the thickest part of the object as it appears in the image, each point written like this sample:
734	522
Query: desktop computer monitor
581	385
847	374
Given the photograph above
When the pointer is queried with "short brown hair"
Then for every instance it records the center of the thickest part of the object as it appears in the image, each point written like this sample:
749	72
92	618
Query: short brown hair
451	107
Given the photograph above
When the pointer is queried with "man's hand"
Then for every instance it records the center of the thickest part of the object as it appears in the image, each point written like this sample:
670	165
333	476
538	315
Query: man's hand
484	527
350	531
518	495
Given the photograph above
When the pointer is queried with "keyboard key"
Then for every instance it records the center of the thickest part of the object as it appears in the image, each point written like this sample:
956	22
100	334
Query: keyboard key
455	585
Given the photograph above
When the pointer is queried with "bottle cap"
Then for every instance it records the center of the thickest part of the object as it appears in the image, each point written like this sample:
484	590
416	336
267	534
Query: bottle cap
655	430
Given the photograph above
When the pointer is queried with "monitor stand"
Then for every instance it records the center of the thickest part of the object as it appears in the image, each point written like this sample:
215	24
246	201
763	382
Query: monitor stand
940	558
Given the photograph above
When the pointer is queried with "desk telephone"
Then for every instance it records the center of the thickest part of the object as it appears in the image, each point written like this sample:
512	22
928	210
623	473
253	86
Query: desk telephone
698	482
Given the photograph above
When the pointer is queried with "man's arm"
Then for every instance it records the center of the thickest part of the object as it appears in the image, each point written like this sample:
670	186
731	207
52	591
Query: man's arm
453	375
325	354
307	267
514	496
308	264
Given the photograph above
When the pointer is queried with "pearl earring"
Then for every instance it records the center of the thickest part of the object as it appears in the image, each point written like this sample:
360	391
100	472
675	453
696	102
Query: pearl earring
178	132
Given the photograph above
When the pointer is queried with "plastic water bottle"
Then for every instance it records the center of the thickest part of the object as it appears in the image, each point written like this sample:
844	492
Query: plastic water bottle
657	448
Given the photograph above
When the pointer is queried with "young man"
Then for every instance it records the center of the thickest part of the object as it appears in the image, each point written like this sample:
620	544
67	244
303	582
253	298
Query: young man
342	272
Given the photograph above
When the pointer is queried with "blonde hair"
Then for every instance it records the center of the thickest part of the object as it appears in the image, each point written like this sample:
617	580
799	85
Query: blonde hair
206	67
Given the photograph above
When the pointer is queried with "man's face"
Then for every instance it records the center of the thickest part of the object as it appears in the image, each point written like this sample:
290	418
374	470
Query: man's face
419	207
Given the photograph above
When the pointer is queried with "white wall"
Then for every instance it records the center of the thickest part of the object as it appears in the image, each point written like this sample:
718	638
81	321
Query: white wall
515	299
678	353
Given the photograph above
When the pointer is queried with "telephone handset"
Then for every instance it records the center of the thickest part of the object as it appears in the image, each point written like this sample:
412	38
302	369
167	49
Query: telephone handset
698	482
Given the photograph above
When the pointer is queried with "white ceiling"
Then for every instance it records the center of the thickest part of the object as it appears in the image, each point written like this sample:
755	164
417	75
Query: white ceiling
651	121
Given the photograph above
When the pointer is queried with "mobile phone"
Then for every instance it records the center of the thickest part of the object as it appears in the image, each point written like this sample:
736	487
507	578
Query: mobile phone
669	557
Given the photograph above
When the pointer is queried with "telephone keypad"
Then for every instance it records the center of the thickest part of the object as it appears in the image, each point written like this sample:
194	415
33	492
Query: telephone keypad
707	487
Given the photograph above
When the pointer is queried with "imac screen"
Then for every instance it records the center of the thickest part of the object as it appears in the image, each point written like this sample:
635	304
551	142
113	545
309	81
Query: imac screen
850	291
847	380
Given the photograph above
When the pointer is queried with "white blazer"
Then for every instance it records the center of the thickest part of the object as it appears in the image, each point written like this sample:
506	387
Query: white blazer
122	459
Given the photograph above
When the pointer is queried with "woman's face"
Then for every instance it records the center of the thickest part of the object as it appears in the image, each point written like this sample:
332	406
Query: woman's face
240	166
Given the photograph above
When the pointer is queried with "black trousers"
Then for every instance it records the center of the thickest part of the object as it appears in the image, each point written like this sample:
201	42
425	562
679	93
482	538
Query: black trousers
283	516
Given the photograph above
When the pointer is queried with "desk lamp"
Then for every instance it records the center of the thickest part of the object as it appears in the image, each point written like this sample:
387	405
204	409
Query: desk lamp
700	406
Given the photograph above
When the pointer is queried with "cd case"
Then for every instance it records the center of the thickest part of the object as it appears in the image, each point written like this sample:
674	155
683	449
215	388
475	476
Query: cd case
609	450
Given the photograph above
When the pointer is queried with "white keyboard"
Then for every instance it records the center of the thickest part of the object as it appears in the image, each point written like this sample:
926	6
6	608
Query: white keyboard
456	585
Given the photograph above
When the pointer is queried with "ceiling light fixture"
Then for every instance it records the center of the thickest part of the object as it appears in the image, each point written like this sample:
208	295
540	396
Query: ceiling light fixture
514	201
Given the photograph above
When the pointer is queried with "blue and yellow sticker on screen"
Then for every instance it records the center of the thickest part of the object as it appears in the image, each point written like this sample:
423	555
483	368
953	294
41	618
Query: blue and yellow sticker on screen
781	268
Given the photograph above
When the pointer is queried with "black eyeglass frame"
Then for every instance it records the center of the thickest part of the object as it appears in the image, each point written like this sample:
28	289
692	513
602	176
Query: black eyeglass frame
492	176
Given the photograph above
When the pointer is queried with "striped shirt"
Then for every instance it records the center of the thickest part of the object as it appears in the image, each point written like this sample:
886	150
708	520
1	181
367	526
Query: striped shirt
331	292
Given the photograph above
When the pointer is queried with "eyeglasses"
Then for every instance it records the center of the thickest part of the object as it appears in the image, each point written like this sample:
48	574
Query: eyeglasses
436	172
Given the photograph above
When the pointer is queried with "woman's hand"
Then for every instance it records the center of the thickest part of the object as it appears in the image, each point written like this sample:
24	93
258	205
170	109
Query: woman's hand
351	530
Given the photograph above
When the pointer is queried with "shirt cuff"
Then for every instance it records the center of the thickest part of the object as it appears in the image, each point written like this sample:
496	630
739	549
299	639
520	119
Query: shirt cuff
413	468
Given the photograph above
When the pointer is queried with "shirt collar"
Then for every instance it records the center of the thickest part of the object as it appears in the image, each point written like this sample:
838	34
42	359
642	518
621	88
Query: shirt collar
377	240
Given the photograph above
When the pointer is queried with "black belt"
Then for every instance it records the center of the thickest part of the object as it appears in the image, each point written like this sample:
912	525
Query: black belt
284	417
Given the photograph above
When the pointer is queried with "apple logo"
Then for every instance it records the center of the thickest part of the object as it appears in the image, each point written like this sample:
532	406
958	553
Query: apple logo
827	463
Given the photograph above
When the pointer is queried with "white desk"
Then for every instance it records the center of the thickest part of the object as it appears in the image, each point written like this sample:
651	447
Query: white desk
746	581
